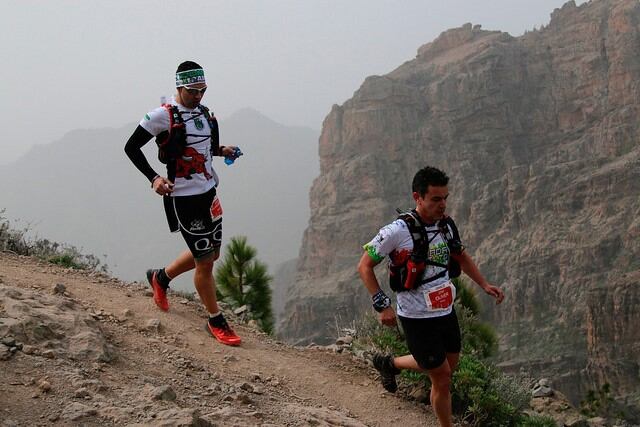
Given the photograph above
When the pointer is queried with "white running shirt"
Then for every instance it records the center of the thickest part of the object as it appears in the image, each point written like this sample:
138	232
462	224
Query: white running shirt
195	173
394	241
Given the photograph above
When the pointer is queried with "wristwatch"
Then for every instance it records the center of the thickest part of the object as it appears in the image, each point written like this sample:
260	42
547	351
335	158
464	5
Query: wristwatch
380	301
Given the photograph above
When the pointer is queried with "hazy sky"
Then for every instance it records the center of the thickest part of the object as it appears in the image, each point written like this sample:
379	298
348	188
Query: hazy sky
88	64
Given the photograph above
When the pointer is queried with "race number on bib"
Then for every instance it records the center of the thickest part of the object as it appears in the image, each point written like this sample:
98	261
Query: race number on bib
440	298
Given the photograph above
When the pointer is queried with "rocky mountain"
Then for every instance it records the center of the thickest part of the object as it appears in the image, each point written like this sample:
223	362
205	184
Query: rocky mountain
83	190
539	134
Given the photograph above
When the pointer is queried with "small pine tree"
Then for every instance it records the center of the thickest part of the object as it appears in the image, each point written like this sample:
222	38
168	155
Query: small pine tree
243	280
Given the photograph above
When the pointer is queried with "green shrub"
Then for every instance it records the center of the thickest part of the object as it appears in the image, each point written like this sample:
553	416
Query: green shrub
372	336
12	240
65	260
478	338
465	296
483	396
535	421
598	403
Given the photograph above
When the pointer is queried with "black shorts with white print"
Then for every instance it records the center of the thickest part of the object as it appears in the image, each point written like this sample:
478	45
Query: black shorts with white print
199	220
429	340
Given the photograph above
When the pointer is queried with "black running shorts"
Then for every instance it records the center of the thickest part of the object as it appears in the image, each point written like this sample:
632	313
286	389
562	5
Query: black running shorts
199	219
429	340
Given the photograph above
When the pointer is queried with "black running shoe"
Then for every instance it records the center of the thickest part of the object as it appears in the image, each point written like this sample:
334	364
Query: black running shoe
384	365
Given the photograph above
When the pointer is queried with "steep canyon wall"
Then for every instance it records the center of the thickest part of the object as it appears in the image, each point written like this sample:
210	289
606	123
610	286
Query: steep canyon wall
539	135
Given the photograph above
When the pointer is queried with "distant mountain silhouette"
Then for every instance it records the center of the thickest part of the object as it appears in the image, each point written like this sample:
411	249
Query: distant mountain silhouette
83	190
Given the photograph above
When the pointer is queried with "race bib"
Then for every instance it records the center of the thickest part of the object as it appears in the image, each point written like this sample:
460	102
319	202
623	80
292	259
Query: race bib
440	298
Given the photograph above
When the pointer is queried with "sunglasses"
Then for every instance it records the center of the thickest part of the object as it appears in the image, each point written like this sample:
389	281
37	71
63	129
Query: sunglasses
194	91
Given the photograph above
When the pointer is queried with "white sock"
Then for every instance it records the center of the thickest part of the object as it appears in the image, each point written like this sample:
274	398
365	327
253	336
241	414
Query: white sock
212	315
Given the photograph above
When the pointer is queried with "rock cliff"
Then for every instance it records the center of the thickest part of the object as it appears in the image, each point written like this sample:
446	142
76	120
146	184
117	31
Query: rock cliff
539	135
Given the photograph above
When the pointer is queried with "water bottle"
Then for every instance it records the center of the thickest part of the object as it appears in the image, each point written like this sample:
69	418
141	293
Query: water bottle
228	160
415	268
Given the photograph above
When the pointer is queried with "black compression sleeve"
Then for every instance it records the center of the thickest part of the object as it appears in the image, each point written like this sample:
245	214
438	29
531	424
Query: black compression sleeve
133	149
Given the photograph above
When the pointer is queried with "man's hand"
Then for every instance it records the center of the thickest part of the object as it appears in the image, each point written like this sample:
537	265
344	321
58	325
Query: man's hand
471	269
388	317
228	150
494	291
162	186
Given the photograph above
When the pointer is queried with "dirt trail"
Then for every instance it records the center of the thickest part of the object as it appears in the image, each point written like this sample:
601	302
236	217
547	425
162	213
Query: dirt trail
263	382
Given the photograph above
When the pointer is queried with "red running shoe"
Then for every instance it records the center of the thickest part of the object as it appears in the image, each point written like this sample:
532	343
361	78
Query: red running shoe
159	293
223	332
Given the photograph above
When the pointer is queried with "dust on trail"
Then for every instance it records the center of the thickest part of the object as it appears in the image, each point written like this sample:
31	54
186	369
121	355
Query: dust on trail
175	373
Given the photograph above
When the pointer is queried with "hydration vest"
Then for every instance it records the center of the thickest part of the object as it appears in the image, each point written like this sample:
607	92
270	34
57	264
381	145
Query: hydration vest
172	143
408	275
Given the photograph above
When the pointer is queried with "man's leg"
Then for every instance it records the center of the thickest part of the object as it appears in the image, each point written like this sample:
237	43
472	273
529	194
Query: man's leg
206	287
389	366
183	263
159	279
203	278
453	359
407	362
441	393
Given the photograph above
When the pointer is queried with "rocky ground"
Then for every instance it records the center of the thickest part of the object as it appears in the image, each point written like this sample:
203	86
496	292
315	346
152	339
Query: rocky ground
79	348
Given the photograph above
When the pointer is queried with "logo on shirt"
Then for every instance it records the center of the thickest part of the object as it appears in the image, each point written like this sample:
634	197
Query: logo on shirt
199	124
146	117
191	163
439	253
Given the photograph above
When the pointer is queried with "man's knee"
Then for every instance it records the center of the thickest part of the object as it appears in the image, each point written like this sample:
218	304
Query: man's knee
205	263
441	376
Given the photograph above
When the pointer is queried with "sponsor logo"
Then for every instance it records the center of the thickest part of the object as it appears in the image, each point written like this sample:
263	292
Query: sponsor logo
439	253
216	209
146	117
191	163
196	225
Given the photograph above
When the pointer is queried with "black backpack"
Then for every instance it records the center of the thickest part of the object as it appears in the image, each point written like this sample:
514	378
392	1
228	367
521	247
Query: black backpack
414	266
171	143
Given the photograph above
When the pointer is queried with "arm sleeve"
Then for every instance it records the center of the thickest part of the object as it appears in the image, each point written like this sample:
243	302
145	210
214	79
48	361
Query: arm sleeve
215	138
133	148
